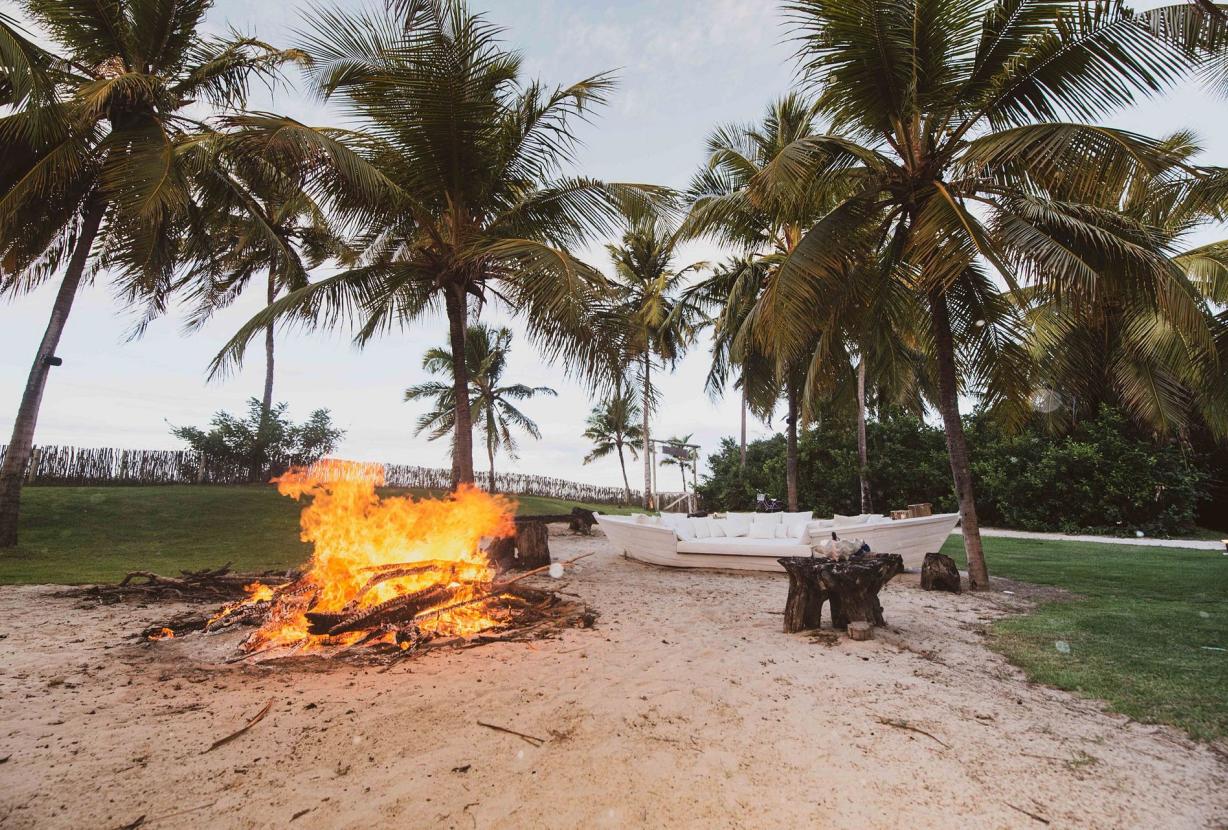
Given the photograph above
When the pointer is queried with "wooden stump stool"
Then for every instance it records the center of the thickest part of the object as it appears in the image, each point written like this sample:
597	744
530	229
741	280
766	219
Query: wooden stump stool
850	585
804	607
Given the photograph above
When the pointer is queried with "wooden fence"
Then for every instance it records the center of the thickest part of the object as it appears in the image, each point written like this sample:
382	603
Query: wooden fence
66	466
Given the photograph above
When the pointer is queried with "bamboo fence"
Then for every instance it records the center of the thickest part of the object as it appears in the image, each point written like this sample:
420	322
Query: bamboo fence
102	466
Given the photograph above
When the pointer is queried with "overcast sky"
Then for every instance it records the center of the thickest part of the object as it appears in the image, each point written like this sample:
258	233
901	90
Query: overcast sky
683	65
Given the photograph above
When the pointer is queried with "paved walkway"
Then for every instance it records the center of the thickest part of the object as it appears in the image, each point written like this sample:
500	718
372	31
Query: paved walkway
1196	544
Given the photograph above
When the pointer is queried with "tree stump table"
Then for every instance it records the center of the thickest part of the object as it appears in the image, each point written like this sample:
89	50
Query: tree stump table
850	585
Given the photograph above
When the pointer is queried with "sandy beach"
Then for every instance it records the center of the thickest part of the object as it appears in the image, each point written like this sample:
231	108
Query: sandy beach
685	707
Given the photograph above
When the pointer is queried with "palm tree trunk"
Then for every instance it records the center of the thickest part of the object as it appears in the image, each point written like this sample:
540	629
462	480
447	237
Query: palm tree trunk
12	472
490	453
957	444
742	444
462	446
622	462
647	459
256	473
791	448
863	466
266	402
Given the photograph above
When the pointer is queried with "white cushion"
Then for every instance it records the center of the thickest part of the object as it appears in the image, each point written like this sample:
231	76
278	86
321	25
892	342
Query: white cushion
763	529
781	532
799	531
684	528
716	528
737	524
702	527
794	518
878	520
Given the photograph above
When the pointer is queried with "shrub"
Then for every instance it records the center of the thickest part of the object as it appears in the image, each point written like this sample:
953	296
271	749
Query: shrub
1104	476
263	447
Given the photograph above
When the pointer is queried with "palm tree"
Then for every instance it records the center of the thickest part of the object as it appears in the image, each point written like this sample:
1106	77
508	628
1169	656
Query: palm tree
494	412
959	125
657	320
456	179
1129	351
260	222
765	228
98	169
612	428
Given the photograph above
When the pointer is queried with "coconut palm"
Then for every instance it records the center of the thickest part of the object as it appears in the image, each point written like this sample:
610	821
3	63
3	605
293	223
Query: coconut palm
260	224
1129	351
765	227
960	125
492	404
98	168
455	180
612	428
657	321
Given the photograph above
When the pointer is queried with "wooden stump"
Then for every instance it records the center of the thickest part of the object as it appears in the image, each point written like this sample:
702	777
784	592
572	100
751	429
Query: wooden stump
582	521
850	585
938	573
896	515
922	509
528	549
532	546
804	607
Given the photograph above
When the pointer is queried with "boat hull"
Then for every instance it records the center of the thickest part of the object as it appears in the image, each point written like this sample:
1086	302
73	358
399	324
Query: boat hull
910	538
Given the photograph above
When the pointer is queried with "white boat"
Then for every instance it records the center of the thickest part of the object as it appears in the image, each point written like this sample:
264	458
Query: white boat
647	540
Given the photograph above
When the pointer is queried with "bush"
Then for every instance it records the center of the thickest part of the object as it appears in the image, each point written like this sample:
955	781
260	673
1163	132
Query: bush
907	460
1102	477
263	447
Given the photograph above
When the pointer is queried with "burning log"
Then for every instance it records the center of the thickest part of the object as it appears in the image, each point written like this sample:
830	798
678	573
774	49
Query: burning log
399	609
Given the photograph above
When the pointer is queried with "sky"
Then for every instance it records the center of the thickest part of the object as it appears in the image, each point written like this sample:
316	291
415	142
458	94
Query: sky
684	66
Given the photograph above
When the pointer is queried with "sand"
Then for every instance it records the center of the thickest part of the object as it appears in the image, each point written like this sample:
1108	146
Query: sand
685	707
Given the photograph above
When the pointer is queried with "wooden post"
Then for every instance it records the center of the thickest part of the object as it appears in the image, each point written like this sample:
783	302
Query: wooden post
923	509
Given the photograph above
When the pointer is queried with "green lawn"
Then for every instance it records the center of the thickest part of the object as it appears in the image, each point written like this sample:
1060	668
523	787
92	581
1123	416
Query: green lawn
72	535
1146	633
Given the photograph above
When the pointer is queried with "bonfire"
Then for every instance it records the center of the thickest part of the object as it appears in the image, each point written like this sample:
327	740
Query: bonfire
390	571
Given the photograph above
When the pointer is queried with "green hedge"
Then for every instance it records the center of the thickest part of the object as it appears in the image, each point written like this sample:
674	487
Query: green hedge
1102	477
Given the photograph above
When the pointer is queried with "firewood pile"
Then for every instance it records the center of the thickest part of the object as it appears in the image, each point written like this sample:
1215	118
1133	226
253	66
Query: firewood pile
205	585
390	630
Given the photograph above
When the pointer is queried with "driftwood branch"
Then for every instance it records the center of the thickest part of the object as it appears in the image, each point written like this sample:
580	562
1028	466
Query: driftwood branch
255	720
533	739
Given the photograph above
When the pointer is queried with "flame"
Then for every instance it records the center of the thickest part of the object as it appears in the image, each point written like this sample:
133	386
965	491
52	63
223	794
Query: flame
164	634
355	534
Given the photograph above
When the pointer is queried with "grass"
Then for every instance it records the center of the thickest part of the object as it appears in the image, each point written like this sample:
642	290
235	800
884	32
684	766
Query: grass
73	535
1145	632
